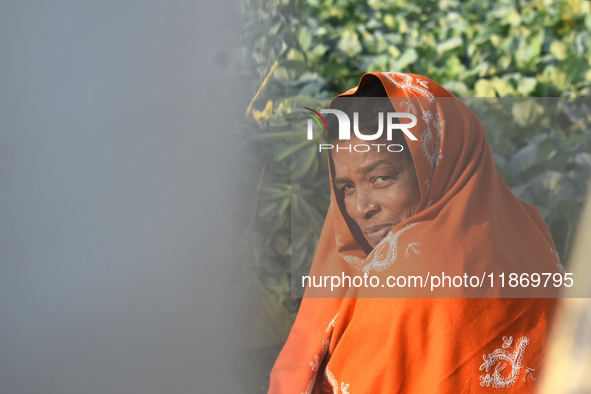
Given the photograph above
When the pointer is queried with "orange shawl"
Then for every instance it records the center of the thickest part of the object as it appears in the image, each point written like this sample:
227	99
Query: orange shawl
468	220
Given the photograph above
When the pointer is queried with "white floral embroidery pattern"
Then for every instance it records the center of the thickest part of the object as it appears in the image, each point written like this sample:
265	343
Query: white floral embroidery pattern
384	255
411	246
315	363
334	384
424	84
344	388
327	375
355	261
332	380
430	140
507	342
332	322
495	359
309	387
325	344
528	371
407	86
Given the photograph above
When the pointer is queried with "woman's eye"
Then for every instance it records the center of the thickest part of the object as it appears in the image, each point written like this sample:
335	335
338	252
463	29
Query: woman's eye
346	188
383	180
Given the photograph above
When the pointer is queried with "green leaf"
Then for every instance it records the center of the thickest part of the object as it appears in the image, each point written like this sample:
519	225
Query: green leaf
526	85
529	49
525	158
350	42
450	44
453	67
502	87
304	162
408	56
559	50
526	112
457	88
484	88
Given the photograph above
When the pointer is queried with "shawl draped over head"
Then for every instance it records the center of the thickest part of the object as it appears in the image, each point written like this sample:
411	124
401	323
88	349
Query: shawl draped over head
467	220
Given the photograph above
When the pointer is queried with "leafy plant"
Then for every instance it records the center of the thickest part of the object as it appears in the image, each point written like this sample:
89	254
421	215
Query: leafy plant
501	48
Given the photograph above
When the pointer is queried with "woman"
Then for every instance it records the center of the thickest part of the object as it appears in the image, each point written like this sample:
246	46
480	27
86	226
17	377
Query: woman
441	207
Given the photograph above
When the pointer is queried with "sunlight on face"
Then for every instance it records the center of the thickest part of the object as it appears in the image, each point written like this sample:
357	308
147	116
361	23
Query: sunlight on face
380	189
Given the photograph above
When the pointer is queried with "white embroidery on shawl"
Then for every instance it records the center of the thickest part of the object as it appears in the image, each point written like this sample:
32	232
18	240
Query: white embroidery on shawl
430	141
334	384
495	359
428	183
439	127
427	189
309	387
427	116
315	363
318	358
507	342
531	375
431	144
438	123
332	380
409	107
411	246
384	254
424	84
332	322
407	86
344	388
558	263
355	261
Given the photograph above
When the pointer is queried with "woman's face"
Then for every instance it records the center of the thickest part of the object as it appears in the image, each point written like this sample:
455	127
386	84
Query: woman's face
380	188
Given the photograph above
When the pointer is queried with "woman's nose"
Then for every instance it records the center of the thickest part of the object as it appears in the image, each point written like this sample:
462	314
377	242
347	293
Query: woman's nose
364	206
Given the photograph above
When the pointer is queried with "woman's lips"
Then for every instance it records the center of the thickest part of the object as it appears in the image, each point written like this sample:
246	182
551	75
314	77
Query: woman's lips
376	233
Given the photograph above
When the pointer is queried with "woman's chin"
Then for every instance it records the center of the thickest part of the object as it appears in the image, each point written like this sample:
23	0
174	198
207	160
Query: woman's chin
376	237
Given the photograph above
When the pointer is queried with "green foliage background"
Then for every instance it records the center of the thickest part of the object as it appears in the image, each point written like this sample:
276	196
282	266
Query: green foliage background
502	48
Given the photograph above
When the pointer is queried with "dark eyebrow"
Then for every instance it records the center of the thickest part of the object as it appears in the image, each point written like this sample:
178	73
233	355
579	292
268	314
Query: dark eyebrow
341	180
397	166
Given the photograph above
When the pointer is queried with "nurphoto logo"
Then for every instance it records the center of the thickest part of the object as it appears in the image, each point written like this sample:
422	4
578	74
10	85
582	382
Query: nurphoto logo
345	129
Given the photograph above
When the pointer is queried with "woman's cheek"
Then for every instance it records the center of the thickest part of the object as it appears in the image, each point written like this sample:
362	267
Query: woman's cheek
404	200
350	205
394	195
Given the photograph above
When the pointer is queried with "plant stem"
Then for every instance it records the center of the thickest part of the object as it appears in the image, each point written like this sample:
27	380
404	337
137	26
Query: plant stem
262	86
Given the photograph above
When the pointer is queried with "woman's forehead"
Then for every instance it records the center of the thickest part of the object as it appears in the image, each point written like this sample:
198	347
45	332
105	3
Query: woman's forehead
362	162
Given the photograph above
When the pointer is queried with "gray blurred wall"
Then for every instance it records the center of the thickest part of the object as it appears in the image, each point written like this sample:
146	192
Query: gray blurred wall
116	197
